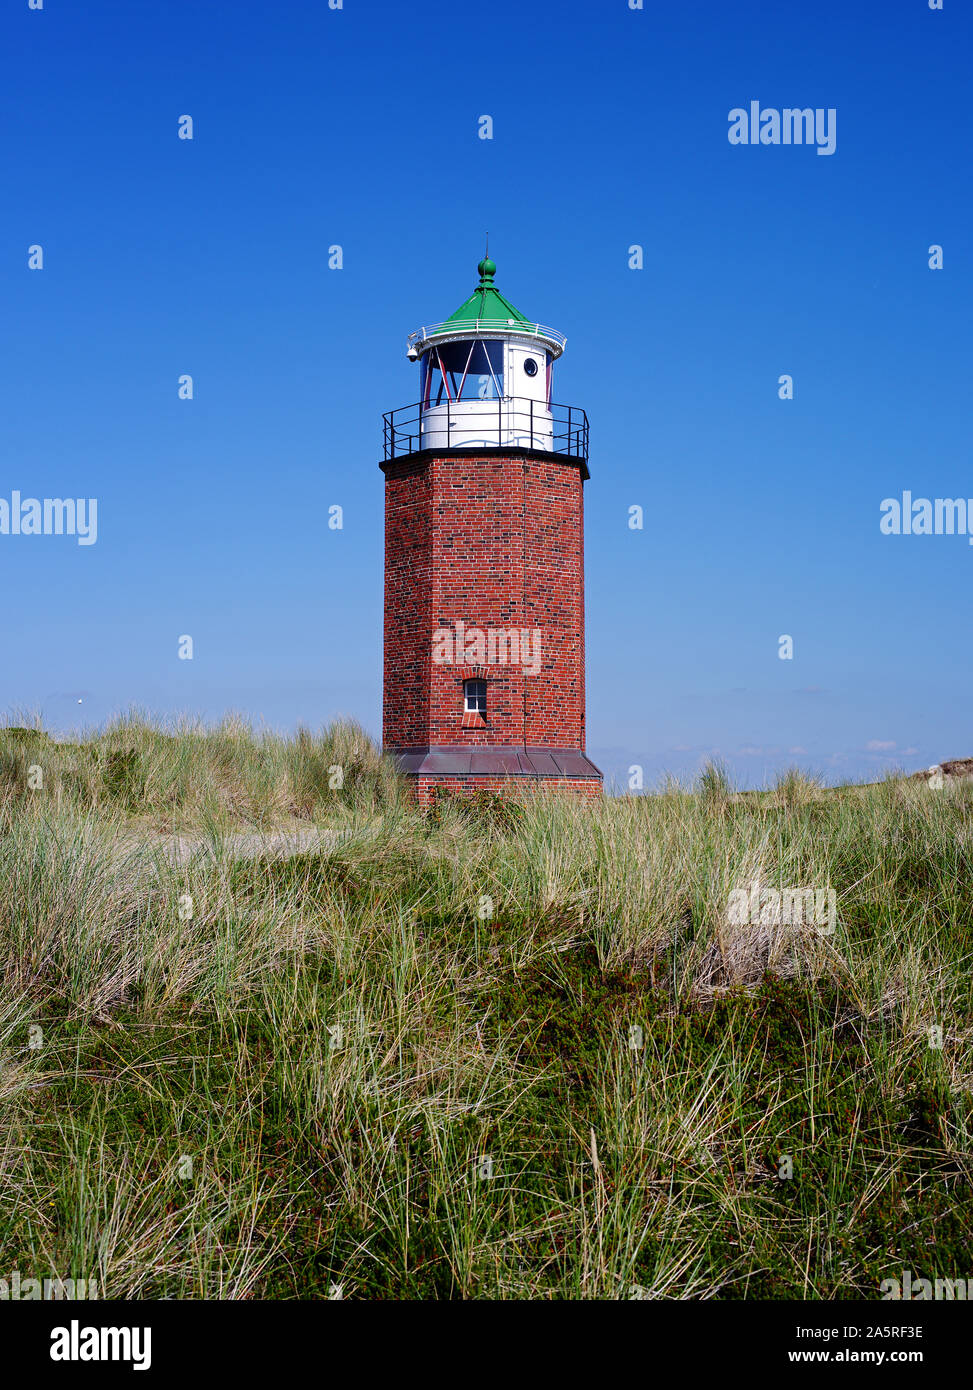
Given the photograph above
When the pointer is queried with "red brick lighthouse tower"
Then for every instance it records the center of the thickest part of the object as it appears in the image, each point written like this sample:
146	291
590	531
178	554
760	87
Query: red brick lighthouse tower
484	560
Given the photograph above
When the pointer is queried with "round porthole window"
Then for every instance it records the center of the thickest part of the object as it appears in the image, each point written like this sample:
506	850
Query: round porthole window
530	367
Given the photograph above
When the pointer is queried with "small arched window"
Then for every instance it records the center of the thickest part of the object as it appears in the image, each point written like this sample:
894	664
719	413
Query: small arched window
474	697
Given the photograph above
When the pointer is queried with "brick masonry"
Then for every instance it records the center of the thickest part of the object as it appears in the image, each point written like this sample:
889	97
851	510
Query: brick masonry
489	541
427	787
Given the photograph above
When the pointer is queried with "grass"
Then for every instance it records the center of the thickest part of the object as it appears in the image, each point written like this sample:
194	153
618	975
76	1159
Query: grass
496	1050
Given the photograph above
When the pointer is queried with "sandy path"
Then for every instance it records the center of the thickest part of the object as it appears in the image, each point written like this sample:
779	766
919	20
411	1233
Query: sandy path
180	850
274	844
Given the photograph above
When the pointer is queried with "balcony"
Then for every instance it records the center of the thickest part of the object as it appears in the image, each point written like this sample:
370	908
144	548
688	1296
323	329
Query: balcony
509	422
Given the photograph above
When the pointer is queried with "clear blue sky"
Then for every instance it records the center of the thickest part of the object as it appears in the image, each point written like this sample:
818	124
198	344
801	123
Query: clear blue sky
359	127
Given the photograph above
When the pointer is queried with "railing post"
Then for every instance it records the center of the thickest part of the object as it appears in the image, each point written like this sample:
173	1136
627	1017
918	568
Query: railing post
532	422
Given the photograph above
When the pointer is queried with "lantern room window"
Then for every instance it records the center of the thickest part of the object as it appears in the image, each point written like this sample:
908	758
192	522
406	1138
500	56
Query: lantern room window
467	371
474	697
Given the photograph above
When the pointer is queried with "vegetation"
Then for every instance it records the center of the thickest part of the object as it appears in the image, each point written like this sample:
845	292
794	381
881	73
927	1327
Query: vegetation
493	1050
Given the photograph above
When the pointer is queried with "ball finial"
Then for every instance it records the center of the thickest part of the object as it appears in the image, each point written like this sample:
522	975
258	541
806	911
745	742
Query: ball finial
487	271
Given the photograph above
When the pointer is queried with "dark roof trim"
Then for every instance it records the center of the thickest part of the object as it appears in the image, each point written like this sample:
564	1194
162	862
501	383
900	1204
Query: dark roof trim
495	761
496	451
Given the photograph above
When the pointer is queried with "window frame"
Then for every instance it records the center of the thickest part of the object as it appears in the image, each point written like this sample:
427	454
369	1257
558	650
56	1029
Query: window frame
479	696
449	386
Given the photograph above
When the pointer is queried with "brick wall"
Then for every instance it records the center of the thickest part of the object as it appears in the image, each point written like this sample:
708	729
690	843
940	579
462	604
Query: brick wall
408	603
426	788
492	542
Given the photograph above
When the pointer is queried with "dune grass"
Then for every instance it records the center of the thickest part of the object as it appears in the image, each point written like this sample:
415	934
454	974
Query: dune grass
489	1052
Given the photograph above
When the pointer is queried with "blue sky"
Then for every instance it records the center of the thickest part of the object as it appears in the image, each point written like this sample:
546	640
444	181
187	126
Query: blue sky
359	127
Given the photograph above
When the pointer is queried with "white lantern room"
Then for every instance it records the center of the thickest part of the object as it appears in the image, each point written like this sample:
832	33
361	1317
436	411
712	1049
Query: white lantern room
486	377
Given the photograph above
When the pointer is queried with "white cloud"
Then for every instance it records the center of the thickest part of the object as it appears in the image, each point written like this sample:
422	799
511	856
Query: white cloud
878	745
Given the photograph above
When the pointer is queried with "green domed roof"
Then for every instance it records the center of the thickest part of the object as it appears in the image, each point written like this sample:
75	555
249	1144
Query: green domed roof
486	311
486	303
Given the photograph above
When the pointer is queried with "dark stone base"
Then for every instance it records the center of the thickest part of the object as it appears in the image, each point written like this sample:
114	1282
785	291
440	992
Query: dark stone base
554	764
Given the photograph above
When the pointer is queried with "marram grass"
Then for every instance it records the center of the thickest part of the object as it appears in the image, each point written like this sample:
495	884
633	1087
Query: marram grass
490	1052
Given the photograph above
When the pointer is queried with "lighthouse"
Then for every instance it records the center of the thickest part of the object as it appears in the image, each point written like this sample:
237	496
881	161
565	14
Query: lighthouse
484	676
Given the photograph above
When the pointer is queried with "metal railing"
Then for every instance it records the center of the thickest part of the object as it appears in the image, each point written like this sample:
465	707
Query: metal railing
509	422
474	328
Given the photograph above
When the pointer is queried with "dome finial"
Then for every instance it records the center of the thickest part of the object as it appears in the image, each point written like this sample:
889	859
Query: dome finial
486	267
